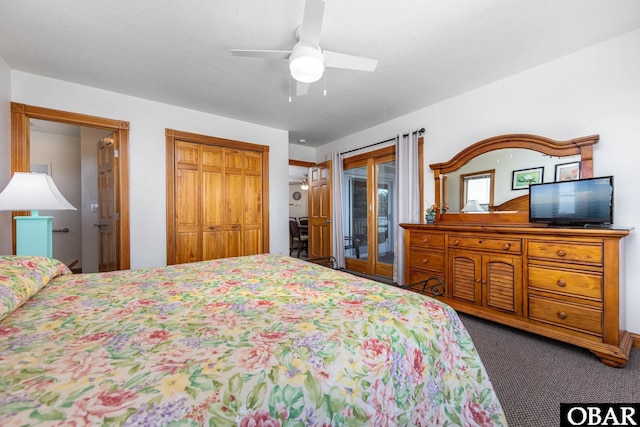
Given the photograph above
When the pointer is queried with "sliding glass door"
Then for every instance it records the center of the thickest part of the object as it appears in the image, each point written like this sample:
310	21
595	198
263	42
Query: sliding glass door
369	212
386	214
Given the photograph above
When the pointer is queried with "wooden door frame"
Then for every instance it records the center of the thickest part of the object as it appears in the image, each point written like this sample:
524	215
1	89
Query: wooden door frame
172	136
379	268
363	159
21	114
370	159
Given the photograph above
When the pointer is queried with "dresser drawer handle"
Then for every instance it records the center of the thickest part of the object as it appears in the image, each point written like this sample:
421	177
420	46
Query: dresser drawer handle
562	283
561	252
562	315
425	260
456	242
506	246
425	240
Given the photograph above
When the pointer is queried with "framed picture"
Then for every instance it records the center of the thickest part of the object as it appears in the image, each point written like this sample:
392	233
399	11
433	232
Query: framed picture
522	178
568	171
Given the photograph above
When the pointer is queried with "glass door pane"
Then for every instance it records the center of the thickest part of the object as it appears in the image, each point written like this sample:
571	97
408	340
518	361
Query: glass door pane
355	213
386	207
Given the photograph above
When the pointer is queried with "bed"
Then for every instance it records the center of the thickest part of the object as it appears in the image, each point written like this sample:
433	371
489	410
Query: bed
264	340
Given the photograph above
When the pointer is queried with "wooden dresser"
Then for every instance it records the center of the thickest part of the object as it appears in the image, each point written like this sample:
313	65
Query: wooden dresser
562	283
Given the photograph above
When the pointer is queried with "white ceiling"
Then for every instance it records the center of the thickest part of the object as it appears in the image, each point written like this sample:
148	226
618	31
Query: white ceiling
428	50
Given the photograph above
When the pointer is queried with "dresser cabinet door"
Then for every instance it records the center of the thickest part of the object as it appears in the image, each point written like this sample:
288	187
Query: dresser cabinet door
502	283
465	276
493	281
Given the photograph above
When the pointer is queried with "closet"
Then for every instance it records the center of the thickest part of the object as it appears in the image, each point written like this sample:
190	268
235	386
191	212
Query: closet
216	196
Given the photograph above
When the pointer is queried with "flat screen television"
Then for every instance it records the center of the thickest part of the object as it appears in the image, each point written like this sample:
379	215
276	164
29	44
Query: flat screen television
579	202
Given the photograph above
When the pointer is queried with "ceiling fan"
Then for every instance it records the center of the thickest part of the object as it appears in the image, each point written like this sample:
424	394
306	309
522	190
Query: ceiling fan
307	61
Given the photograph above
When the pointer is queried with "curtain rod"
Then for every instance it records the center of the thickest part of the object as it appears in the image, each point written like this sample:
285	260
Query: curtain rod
421	130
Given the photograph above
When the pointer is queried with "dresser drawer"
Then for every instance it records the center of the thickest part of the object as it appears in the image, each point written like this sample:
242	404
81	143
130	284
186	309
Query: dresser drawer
566	251
563	314
427	260
487	244
425	239
582	284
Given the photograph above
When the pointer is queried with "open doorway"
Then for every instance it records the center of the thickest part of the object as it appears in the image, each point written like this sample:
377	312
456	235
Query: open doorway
299	210
68	153
21	161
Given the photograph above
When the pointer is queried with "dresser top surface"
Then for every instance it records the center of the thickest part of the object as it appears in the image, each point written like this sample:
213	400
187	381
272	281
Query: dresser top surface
533	229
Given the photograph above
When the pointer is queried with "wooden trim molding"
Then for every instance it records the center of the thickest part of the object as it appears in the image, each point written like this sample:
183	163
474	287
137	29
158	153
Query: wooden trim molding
21	114
213	140
582	146
301	163
636	340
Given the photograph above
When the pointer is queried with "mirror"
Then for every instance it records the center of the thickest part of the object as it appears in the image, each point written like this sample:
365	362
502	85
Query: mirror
496	172
505	163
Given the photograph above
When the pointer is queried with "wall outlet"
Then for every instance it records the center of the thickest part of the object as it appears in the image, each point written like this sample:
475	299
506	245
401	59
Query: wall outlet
94	207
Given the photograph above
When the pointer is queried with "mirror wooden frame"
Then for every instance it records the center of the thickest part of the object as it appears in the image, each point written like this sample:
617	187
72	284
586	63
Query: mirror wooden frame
582	146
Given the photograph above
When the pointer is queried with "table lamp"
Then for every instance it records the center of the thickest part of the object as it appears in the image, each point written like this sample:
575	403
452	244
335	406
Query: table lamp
31	192
472	206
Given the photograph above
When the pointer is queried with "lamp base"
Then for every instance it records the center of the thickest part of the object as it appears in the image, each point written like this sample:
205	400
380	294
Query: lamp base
34	235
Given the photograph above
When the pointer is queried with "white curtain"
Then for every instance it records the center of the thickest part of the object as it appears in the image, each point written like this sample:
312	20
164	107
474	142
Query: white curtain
337	229
408	196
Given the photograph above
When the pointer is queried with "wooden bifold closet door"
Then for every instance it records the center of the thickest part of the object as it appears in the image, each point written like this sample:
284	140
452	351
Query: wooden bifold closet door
216	199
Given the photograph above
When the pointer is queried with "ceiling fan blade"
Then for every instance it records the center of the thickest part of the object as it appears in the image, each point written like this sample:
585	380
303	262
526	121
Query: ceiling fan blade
349	62
312	22
271	54
302	88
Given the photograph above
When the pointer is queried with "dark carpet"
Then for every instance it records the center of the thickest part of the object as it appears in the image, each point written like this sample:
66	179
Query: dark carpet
532	375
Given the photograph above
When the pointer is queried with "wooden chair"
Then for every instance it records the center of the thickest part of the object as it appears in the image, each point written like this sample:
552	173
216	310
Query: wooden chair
360	234
298	241
303	225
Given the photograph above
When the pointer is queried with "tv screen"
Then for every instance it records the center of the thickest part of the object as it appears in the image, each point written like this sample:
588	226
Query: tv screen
579	202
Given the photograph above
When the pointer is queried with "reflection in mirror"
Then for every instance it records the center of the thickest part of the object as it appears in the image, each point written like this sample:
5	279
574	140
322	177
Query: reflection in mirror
504	161
477	187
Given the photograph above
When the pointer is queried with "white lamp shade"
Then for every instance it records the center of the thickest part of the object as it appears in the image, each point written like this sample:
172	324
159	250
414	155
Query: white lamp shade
472	206
32	191
306	63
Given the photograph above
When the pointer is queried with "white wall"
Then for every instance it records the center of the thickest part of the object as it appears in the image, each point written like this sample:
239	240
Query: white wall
148	121
301	152
298	208
592	91
62	154
5	151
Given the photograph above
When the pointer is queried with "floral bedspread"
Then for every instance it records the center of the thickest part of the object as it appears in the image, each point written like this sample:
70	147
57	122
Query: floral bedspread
265	340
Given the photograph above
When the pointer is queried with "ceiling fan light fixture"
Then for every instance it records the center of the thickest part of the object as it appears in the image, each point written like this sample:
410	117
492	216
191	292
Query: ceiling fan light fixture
306	64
